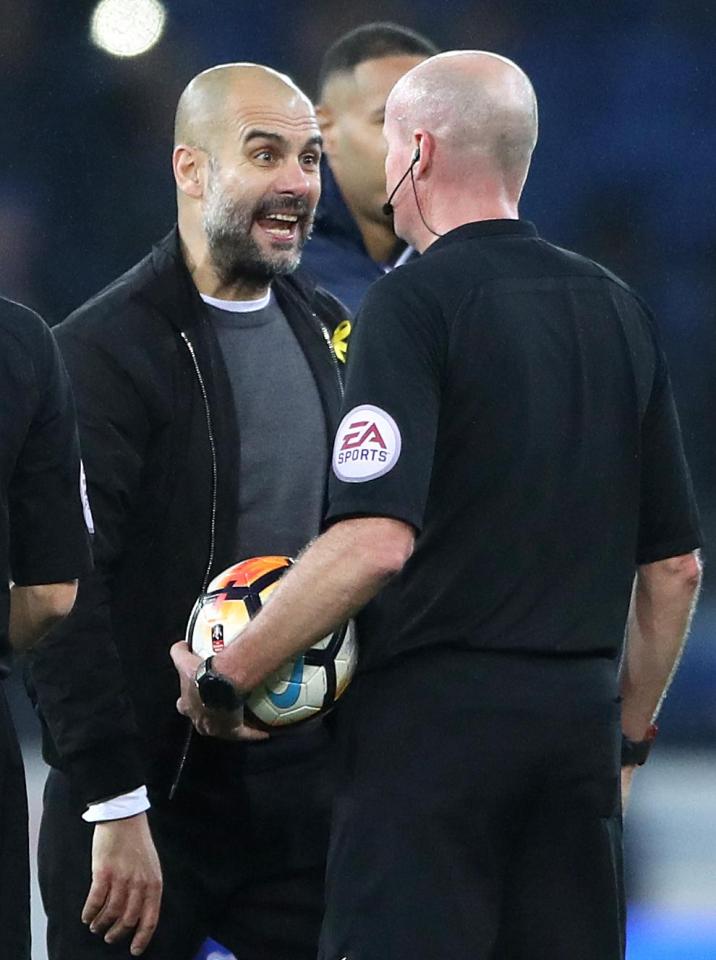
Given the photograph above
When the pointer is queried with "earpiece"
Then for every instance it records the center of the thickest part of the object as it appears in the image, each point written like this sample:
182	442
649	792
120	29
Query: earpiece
388	206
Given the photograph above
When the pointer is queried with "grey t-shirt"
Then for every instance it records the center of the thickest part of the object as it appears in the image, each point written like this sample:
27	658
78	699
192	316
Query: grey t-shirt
282	430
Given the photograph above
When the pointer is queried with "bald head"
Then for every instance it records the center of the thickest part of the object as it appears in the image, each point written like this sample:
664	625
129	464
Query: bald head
246	164
209	102
478	104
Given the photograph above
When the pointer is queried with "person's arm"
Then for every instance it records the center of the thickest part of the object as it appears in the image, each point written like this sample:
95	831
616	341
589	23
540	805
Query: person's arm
126	891
76	672
331	580
663	602
668	564
92	723
34	610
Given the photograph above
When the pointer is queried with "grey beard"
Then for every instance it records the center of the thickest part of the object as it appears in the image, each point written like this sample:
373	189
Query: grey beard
235	255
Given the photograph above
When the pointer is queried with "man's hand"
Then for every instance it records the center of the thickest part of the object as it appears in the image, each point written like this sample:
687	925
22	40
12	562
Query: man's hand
627	775
224	724
126	886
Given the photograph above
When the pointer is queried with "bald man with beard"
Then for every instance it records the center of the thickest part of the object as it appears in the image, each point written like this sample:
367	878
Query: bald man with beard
207	395
510	491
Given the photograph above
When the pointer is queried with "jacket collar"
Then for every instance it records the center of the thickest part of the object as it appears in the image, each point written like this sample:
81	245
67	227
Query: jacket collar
171	285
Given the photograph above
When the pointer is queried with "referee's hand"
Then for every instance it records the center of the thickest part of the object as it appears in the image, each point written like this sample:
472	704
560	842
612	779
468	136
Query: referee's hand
126	889
223	724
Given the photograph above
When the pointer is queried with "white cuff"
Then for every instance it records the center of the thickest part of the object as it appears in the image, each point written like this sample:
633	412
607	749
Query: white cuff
125	805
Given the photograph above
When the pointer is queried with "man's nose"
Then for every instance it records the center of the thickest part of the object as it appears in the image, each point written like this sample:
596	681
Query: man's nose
292	178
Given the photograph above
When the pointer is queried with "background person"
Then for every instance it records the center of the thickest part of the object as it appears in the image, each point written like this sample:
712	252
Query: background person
43	550
509	459
207	395
353	242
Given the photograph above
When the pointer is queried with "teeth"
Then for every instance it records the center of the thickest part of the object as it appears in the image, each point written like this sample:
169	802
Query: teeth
289	218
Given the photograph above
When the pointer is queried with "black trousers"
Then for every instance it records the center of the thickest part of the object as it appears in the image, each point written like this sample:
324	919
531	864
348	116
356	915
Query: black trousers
242	854
478	812
14	856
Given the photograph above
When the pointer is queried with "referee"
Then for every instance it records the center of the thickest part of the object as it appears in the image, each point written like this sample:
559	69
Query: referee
508	466
43	549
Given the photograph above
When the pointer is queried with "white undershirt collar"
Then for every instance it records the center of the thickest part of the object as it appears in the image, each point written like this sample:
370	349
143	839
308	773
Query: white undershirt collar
237	306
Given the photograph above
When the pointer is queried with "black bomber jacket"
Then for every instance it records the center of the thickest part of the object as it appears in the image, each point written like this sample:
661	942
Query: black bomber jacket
160	447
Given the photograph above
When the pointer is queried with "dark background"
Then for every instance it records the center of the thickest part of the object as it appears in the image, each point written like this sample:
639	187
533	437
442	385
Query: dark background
623	172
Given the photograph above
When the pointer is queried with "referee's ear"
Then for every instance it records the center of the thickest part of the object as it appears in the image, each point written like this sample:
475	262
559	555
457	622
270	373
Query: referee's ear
424	152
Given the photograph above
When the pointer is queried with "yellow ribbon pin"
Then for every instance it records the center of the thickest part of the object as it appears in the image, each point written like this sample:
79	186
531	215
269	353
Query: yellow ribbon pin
340	339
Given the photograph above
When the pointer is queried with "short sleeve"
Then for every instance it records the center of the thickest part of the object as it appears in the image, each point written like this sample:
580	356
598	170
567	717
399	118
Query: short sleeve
48	536
668	516
383	450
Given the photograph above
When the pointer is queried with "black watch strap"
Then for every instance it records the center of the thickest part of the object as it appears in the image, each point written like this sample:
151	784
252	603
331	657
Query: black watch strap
635	752
216	691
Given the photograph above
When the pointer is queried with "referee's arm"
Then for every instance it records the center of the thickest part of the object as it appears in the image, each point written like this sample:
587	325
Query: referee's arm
668	565
332	579
662	604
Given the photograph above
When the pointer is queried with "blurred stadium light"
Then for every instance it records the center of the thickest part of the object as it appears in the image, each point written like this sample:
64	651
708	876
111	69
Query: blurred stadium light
127	28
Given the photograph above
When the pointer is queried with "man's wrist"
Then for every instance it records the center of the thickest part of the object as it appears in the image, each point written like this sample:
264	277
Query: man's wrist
634	753
217	691
118	808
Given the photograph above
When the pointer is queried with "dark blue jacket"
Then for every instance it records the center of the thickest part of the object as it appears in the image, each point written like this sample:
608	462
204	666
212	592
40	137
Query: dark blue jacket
336	255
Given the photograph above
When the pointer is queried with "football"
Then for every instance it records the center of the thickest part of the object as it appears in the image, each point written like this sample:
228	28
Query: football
301	688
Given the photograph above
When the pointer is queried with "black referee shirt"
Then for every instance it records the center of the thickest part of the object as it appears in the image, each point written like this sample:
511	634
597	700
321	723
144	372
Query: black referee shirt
510	400
43	537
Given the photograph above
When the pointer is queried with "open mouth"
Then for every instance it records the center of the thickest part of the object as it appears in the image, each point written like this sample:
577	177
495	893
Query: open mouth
280	226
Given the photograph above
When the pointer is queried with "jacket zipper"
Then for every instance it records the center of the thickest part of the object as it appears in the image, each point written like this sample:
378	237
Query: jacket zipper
332	351
214	485
212	529
214	472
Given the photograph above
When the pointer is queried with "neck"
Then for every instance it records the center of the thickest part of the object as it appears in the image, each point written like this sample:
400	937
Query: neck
195	251
377	232
453	209
379	239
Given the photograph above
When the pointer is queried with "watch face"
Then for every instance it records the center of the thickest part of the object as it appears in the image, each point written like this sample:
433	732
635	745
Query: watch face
217	692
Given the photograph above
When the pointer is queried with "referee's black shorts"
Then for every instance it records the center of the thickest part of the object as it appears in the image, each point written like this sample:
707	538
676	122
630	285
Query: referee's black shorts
14	857
478	813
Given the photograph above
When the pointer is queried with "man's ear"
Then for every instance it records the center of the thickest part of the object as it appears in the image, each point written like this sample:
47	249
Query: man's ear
187	163
424	148
327	122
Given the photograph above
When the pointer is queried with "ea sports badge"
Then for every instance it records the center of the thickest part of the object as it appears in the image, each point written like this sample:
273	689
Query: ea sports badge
367	444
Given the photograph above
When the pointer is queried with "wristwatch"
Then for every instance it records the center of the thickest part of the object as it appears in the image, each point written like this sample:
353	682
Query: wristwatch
635	752
216	691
